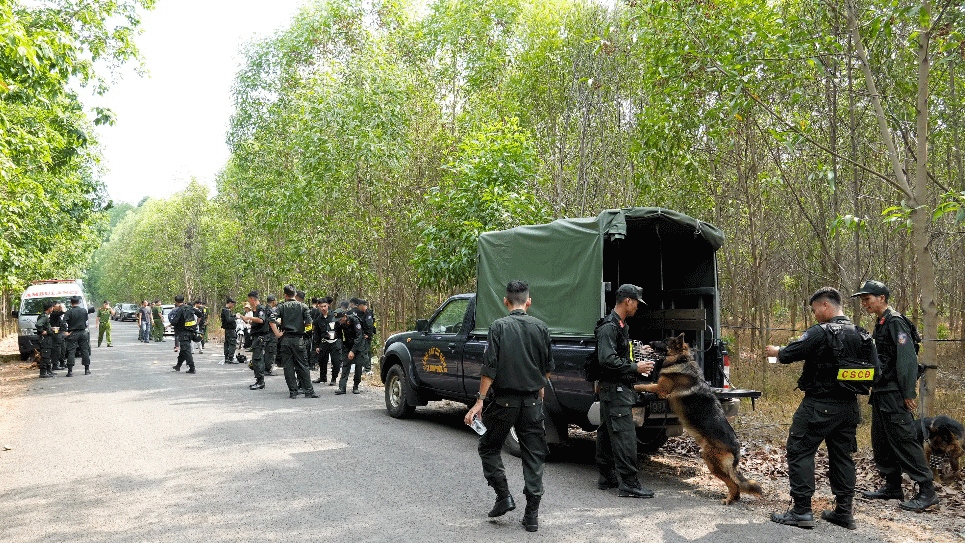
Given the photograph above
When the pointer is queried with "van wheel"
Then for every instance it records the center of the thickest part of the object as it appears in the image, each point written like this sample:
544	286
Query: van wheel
649	440
511	445
396	393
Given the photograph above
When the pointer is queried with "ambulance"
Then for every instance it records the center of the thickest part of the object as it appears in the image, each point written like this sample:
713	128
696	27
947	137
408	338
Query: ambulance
32	303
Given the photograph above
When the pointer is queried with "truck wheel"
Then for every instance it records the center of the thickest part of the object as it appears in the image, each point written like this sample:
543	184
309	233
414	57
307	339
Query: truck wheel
649	440
511	445
396	392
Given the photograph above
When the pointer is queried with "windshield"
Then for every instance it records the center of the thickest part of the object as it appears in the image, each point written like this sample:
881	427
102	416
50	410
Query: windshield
35	306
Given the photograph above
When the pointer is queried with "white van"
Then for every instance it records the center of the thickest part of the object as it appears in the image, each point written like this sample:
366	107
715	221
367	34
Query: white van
32	303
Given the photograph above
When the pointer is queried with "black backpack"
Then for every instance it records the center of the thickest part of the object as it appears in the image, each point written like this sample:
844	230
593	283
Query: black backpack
591	366
855	371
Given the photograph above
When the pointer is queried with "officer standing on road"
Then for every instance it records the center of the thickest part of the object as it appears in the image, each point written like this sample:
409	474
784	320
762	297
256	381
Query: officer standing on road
326	344
78	337
893	433
185	324
367	319
272	344
616	439
312	354
516	367
260	331
230	327
45	333
158	329
58	355
104	315
829	412
294	319
349	332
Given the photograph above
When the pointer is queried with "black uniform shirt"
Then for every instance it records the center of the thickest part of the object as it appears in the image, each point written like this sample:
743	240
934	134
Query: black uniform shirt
294	317
819	376
518	354
43	325
324	328
263	313
350	333
76	318
183	318
56	318
896	351
613	348
228	321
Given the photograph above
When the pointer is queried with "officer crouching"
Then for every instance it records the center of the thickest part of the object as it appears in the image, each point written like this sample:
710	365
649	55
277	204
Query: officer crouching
515	369
829	411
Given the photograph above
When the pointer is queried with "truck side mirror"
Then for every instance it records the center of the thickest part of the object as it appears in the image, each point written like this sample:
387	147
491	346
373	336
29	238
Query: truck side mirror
422	325
15	313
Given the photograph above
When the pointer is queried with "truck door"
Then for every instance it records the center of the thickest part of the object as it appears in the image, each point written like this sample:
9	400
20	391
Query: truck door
437	354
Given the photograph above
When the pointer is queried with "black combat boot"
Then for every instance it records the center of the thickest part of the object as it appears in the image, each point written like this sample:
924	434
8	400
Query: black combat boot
86	370
607	480
800	515
531	516
504	500
925	498
70	371
843	514
891	490
43	373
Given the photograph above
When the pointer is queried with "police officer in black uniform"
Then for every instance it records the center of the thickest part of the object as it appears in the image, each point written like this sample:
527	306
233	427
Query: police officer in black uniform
293	319
185	323
260	336
515	369
829	412
310	343
893	433
78	337
367	319
348	331
230	326
45	334
58	355
326	344
616	439
272	344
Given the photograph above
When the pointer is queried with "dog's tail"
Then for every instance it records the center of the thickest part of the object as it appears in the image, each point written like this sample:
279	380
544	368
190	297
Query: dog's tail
748	486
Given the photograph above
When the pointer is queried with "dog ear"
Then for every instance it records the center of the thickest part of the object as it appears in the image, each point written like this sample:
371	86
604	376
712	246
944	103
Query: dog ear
681	339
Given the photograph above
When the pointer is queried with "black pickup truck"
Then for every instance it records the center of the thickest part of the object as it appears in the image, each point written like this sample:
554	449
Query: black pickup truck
573	267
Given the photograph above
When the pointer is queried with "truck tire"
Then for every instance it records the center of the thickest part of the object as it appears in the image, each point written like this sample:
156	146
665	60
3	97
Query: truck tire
397	393
511	445
649	440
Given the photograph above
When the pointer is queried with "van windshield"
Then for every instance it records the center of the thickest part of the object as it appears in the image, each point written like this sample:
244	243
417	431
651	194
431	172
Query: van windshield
35	306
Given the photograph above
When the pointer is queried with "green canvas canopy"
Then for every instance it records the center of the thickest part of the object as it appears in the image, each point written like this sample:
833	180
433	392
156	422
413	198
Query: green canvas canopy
563	262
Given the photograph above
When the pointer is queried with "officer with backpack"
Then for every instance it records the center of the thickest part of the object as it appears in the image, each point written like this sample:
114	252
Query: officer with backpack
893	436
840	361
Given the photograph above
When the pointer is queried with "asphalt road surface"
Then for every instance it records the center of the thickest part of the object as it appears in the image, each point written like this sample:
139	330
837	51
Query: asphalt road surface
136	453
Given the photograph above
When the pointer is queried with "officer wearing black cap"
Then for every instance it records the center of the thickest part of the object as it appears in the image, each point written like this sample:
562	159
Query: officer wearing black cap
367	320
185	323
78	337
45	333
349	331
293	319
515	370
260	336
893	433
230	326
616	438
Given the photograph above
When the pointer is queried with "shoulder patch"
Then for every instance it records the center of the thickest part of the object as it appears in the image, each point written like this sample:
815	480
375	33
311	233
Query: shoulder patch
803	336
358	326
902	338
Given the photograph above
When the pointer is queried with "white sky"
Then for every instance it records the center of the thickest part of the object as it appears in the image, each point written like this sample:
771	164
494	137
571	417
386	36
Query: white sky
171	123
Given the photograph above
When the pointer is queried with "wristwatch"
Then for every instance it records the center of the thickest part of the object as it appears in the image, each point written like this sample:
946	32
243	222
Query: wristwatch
479	396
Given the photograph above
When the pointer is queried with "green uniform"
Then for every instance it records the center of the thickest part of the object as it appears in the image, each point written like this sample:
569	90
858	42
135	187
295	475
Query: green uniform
46	343
295	318
616	438
893	434
827	413
517	359
157	331
103	326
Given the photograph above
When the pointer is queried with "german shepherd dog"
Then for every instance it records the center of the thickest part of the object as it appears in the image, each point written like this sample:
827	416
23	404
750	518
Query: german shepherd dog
942	436
694	403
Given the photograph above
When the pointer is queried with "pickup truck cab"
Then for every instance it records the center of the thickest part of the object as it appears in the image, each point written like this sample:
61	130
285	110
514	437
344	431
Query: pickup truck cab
573	267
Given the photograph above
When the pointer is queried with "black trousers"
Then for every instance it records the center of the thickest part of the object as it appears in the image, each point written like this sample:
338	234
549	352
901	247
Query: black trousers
230	344
616	438
78	342
185	355
326	350
292	351
347	367
525	414
835	422
894	439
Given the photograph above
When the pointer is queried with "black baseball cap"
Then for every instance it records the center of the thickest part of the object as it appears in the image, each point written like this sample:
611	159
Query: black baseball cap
230	300
630	291
339	313
271	298
875	288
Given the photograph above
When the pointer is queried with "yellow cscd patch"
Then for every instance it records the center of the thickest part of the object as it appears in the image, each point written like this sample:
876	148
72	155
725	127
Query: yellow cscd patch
189	323
856	375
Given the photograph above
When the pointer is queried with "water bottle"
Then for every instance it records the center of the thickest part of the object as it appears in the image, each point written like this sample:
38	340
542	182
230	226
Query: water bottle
478	426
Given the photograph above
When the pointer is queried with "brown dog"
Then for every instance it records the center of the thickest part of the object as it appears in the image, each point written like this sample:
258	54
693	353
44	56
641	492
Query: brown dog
700	412
942	437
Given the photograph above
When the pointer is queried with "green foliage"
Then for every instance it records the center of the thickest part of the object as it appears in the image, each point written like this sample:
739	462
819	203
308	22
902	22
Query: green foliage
488	187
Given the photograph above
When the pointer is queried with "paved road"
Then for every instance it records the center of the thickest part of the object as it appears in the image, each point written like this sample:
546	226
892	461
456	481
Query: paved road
136	453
